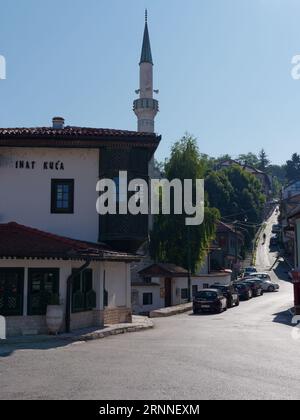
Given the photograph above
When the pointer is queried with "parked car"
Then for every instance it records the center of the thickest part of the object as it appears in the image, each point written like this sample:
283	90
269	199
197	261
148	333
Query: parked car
249	270
274	241
261	276
244	291
256	286
268	285
230	293
209	300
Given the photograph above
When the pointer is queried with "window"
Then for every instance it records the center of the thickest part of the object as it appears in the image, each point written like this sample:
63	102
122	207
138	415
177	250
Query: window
62	196
42	284
205	286
83	295
11	292
194	290
147	299
184	294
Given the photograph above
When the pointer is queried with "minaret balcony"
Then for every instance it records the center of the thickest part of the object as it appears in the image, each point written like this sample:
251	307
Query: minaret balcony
146	103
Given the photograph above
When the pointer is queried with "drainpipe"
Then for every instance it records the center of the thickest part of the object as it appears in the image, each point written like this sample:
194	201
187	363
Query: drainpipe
68	295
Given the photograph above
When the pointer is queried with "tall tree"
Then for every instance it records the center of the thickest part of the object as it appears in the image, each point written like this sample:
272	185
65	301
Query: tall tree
293	168
263	161
171	240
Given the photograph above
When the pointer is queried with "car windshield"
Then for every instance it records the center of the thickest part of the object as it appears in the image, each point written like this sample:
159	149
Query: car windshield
240	286
207	295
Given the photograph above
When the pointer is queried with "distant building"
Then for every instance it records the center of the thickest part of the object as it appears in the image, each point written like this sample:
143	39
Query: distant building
294	220
228	247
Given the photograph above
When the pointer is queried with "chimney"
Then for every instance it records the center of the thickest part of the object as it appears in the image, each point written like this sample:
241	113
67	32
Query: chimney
58	123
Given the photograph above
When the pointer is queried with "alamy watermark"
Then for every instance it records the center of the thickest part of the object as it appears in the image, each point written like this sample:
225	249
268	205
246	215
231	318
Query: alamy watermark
158	196
2	68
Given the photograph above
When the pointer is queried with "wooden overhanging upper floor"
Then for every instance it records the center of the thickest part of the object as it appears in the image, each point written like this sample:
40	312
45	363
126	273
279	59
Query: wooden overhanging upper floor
77	137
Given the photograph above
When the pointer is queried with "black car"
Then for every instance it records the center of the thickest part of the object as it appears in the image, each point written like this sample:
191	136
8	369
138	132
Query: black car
244	291
256	287
209	300
230	293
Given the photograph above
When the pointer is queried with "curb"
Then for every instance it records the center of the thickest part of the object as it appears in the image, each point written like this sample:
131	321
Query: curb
118	331
97	335
162	313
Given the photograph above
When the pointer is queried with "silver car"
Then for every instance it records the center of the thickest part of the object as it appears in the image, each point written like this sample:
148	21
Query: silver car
267	285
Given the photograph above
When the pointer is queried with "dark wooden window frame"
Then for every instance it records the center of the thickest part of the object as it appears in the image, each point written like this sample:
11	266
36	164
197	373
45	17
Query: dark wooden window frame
83	299
145	299
41	311
54	184
19	311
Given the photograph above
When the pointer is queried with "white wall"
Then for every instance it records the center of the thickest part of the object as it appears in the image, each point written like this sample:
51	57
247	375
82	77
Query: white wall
25	194
158	302
118	284
210	280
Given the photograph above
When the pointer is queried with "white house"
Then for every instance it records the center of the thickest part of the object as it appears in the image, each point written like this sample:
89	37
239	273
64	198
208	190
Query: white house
166	285
48	178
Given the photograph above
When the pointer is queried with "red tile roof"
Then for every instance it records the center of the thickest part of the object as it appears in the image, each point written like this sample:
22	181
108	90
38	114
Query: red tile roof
25	242
163	269
73	136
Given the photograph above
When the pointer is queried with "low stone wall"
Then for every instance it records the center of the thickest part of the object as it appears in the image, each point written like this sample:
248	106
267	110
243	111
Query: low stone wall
87	319
120	315
22	325
32	325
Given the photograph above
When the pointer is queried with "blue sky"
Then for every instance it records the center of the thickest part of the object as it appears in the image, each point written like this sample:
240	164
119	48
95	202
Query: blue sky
223	68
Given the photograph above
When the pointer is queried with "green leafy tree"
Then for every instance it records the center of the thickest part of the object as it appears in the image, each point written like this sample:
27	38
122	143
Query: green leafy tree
237	195
171	240
293	168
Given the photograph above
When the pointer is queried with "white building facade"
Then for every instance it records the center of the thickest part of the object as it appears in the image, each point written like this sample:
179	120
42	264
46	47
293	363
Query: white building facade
48	179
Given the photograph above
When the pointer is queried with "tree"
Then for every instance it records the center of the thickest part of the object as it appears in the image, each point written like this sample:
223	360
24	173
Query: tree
263	161
293	168
171	240
237	195
249	159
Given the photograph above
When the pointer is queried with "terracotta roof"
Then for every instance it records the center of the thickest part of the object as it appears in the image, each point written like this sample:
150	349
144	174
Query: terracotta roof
72	137
17	241
163	269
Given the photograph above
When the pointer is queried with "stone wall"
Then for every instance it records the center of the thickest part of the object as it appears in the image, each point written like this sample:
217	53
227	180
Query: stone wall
120	315
25	325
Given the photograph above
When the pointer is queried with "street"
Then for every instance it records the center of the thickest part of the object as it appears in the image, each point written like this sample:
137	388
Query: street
246	353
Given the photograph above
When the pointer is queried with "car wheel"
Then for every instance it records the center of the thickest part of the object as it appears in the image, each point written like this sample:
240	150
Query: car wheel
237	302
271	289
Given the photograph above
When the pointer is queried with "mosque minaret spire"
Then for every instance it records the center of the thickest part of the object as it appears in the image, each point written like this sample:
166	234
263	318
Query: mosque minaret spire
146	107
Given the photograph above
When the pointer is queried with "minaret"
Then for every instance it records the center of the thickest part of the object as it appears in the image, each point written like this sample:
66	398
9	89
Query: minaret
146	108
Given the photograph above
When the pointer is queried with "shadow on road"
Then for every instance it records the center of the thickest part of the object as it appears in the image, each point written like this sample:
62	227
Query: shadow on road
282	271
284	318
7	348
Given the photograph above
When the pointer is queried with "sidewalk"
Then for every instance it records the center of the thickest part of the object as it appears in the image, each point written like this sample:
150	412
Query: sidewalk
139	323
174	310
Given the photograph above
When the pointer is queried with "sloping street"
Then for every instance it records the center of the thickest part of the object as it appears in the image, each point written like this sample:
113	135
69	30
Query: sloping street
245	353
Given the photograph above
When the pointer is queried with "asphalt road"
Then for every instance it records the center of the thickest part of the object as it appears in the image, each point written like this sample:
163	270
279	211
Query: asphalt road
245	353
